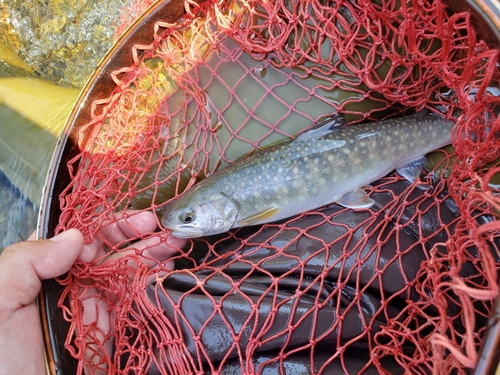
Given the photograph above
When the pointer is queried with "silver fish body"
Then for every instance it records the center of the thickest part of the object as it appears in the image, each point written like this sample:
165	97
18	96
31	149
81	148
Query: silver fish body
320	166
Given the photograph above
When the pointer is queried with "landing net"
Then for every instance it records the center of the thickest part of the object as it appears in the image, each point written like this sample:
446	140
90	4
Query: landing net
403	287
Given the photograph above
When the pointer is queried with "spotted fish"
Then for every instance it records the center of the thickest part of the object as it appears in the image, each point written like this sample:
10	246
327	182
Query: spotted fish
328	163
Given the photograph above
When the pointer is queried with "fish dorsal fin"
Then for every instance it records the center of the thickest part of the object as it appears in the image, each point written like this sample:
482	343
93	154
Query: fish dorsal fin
411	171
324	126
356	199
259	217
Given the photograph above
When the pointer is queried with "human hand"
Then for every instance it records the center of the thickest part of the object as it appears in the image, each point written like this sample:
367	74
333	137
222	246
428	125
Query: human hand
22	267
97	312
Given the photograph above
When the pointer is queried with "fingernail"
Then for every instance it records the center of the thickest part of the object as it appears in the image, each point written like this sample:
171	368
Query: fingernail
87	254
64	235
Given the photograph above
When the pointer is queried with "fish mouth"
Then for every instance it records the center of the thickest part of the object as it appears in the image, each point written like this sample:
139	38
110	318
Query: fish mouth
184	232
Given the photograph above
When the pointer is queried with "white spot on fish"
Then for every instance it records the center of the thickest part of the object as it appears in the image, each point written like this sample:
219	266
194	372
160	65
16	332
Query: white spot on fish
330	158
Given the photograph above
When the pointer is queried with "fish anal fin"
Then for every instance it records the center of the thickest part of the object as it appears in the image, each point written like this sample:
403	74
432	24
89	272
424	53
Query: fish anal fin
356	199
411	171
259	217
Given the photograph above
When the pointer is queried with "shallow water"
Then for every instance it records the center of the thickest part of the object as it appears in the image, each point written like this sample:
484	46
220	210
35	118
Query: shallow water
25	154
18	215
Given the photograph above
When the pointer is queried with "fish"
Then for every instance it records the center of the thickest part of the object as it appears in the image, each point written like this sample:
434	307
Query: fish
329	163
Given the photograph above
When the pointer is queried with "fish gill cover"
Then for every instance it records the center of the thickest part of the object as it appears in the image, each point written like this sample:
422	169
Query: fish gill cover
402	287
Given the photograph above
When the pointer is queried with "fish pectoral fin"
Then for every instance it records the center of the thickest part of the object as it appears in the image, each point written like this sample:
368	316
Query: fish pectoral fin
411	171
356	199
259	217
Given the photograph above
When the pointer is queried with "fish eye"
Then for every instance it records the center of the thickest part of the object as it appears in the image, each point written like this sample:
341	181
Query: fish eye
187	217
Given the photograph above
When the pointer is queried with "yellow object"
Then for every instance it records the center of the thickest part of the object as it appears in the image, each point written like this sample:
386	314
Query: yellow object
40	102
33	114
10	57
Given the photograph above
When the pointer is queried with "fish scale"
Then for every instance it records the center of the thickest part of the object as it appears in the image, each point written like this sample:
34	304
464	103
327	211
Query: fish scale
320	166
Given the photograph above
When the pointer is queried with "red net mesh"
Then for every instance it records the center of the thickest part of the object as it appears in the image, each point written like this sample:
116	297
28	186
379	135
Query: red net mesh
402	287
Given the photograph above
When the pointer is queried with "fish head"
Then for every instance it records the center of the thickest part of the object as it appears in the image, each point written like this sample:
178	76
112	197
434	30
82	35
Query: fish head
202	216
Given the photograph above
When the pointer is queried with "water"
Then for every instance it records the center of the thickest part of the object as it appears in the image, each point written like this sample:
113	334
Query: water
62	41
17	216
25	153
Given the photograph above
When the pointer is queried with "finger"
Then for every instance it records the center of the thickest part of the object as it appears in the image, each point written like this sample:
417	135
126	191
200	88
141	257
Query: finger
130	224
88	252
93	250
99	336
152	249
168	246
24	264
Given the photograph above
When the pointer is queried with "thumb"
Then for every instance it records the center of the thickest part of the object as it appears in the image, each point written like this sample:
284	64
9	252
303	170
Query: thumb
24	264
55	256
